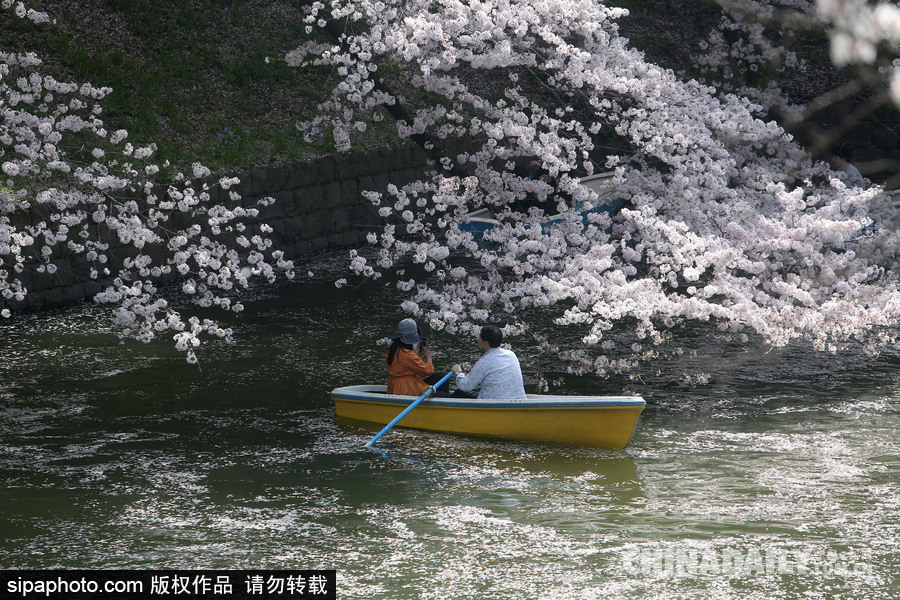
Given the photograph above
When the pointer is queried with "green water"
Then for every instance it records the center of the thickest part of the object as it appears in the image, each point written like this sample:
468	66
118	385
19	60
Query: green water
778	479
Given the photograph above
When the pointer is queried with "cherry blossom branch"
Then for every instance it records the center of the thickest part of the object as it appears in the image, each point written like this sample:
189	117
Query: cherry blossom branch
70	186
730	222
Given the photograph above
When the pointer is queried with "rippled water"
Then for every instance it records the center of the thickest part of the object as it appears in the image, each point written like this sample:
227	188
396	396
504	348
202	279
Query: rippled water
778	479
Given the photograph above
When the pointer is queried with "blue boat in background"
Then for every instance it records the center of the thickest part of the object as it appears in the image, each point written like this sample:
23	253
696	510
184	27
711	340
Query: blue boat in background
482	220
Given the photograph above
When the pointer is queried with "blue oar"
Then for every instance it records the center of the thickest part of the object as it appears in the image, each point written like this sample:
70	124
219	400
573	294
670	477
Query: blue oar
405	412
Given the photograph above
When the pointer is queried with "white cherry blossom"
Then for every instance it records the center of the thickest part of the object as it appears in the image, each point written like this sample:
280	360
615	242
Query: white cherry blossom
726	220
108	196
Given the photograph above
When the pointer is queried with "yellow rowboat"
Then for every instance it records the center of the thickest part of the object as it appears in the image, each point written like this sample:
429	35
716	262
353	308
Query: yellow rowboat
604	421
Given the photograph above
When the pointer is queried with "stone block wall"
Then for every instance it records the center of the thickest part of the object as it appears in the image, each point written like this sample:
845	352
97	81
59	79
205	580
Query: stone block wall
318	206
319	203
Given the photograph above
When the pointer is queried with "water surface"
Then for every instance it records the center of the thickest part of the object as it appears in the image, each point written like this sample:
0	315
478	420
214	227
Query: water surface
777	479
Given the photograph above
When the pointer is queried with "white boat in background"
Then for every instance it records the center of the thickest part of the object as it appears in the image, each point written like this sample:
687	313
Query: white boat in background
483	219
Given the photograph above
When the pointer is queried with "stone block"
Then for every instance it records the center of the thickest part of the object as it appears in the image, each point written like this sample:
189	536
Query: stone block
289	249
351	238
227	237
309	200
157	254
380	183
364	215
335	241
302	248
394	159
346	166
33	300
279	231
53	296
217	195
366	163
298	198
293	175
406	176
64	272
42	281
366	184
71	294
341	220
349	193
245	187
396	178
38	213
278	179
293	229
318	244
304	173
180	220
13	305
82	268
26	277
259	181
284	204
324	169
91	289
333	197
417	157
329	223
316	224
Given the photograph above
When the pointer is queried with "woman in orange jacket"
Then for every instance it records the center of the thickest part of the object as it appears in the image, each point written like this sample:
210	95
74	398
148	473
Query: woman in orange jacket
408	362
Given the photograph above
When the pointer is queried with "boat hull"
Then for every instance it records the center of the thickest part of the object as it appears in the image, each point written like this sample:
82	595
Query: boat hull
482	221
601	421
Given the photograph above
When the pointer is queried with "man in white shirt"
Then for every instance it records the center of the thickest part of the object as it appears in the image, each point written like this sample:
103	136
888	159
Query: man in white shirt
850	174
497	371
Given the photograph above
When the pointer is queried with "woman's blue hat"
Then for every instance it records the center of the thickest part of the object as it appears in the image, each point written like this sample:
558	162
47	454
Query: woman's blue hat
408	332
